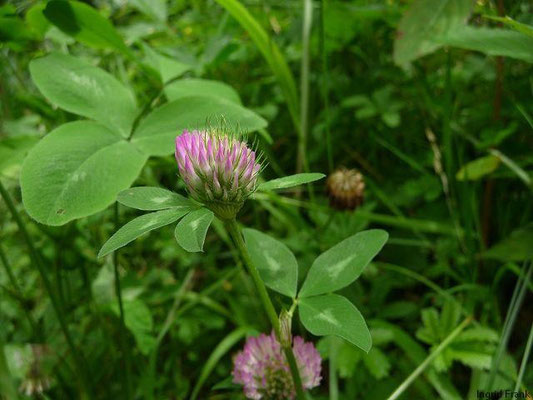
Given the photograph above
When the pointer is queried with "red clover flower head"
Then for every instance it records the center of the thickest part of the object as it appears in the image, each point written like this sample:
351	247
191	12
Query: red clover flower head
218	168
261	367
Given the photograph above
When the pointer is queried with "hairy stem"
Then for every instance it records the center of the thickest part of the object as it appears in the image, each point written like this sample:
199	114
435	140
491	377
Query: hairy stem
235	233
122	329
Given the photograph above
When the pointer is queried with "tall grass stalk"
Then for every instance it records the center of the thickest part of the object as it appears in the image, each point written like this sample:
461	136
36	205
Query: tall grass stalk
440	348
333	379
525	358
325	83
301	162
510	319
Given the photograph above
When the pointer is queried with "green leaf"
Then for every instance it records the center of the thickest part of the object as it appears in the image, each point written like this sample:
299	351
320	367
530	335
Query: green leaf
191	231
138	319
335	315
472	357
85	90
36	20
85	24
138	226
276	263
156	9
391	119
348	357
479	334
422	22
430	318
290	181
449	317
377	363
343	263
516	247
157	132
201	87
168	68
153	198
77	170
493	42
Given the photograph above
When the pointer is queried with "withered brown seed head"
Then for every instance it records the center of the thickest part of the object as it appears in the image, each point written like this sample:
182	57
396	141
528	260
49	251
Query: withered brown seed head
345	189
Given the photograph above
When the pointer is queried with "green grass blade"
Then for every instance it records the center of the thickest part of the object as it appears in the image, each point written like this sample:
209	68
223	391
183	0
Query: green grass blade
270	52
527	351
223	347
440	348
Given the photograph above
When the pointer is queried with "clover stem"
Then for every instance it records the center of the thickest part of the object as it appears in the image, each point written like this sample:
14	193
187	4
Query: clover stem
122	326
35	257
235	233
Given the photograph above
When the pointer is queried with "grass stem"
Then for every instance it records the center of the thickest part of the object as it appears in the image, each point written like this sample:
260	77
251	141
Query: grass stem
440	348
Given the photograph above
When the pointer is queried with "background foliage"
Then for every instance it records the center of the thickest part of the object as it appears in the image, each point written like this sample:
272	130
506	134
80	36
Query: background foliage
429	99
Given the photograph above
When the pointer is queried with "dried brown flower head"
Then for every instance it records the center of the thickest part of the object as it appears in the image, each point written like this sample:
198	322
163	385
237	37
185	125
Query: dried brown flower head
345	189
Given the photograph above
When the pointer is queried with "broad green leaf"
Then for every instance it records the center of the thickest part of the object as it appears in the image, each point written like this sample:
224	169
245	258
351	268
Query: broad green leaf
85	24
493	42
276	263
167	67
156	9
140	225
153	198
422	22
156	134
77	170
517	247
36	20
271	53
191	231
290	181
138	319
343	263
201	87
82	89
335	315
